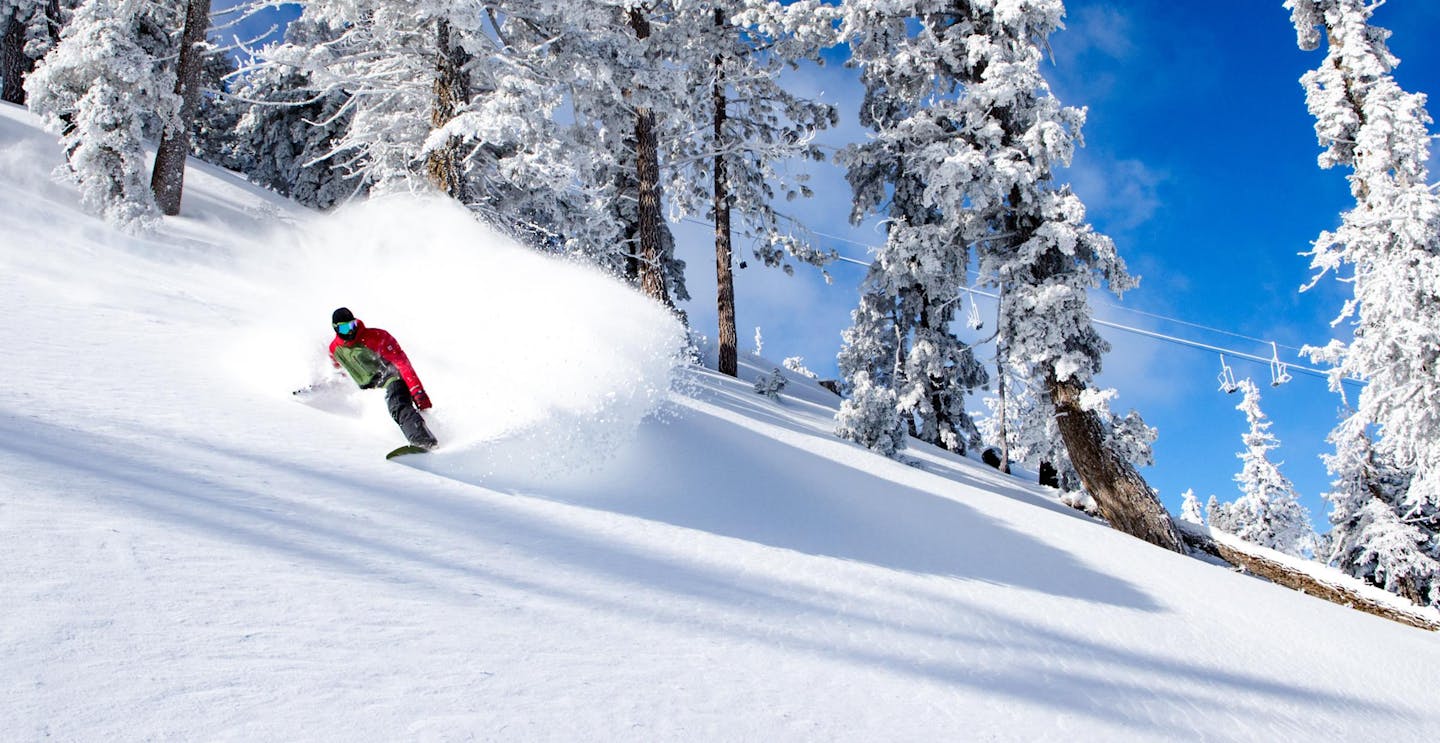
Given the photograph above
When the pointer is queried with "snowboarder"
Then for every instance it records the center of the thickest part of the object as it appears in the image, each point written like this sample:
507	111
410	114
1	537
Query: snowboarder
373	359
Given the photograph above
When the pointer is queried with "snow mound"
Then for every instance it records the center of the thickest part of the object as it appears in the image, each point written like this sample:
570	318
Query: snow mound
512	345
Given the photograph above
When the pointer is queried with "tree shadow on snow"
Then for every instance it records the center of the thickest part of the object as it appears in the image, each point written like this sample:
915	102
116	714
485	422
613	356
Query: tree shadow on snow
714	476
839	514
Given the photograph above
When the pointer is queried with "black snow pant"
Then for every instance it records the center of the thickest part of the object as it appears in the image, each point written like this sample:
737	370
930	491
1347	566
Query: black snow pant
402	409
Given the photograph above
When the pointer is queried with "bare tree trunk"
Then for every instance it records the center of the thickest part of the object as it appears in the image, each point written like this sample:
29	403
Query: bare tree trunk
451	90
1124	498
167	179
1002	363
724	276
647	170
14	65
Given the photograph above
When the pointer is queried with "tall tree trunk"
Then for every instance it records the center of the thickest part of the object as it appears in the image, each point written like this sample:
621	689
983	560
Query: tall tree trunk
647	171
1002	365
14	65
167	180
724	276
451	93
1124	498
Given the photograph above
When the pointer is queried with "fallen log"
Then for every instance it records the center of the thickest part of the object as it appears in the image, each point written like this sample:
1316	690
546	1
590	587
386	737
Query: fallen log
1200	539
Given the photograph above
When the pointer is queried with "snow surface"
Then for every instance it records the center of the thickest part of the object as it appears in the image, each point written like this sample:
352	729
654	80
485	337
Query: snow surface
611	545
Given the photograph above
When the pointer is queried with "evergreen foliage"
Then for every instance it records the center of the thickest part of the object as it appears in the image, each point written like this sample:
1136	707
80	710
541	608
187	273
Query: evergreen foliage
1268	513
967	139
1387	250
289	130
772	385
102	89
870	416
1190	509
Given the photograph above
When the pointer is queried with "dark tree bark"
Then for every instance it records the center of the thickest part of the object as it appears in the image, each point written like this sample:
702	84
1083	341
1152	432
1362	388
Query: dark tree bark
1124	498
167	180
452	92
724	276
14	65
647	171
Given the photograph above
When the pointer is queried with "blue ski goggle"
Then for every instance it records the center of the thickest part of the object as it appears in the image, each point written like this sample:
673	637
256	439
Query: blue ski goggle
345	328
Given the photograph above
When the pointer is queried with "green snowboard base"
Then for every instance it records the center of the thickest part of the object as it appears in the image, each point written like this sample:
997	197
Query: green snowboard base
407	449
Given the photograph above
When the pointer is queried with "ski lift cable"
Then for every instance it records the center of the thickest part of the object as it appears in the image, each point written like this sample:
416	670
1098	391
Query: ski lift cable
1112	305
1321	373
1278	368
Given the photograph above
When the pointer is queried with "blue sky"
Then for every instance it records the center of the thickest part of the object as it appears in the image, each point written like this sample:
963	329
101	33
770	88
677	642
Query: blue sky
1200	161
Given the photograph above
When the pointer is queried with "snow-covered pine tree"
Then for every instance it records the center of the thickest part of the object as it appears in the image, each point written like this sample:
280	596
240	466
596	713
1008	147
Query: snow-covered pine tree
756	123
29	29
1268	512
870	417
1190	509
1369	537
870	361
102	86
1389	245
290	128
623	67
1031	236
979	162
485	133
218	115
911	291
382	56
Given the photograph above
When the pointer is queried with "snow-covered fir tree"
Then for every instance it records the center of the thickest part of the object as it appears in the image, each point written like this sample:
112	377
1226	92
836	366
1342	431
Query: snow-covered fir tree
218	115
901	334
1268	512
1031	434
103	86
429	96
968	139
1387	250
1191	511
771	385
870	417
1370	538
625	72
289	129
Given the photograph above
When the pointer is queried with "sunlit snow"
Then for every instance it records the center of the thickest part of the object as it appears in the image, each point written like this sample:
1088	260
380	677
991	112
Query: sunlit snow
609	545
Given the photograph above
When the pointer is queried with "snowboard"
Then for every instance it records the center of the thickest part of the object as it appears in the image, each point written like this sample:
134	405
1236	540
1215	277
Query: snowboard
406	449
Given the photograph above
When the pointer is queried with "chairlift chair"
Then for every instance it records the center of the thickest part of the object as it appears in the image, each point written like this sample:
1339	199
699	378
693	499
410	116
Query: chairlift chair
1278	373
1227	377
973	314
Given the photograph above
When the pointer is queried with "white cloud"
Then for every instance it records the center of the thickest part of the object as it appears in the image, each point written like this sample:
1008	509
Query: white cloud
1100	29
1119	194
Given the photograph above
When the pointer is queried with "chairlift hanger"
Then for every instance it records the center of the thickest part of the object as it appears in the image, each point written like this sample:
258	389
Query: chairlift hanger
973	314
1227	377
1278	373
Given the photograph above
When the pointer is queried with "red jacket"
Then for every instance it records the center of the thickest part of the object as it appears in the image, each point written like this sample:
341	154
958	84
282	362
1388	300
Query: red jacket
384	349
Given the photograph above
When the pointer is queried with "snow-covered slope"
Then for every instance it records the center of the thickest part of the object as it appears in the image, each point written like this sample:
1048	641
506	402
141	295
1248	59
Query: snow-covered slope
610	546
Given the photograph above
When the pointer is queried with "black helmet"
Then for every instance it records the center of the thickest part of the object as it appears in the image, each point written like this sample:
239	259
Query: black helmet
344	323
